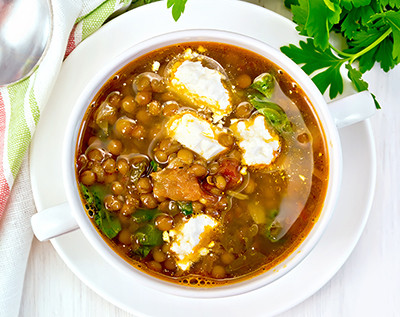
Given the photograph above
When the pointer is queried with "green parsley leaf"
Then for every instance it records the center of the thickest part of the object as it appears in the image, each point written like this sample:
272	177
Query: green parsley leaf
300	14
314	58
289	3
391	3
321	15
331	78
367	60
355	77
310	56
178	7
354	19
370	28
376	101
363	38
392	18
349	4
383	57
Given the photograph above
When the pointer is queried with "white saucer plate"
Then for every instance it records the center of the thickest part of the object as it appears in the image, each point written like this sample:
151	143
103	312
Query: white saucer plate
308	277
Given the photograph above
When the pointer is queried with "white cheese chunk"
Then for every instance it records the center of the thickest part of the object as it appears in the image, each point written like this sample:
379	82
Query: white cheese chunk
191	240
155	66
259	146
203	86
195	133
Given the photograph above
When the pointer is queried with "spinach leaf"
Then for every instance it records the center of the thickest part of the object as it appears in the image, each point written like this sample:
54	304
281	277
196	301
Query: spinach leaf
148	235
185	207
264	83
87	195
259	96
107	222
145	215
143	251
271	111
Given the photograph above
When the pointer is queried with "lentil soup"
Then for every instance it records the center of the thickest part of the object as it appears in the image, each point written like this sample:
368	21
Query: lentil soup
202	164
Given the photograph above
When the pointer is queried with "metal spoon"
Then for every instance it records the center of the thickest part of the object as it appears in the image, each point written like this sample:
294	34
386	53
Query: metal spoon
25	30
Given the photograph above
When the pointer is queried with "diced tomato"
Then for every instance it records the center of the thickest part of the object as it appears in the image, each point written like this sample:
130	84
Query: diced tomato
230	170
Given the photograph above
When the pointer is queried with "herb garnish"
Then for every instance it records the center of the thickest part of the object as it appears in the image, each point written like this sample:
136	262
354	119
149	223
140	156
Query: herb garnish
107	222
185	207
145	215
153	167
178	7
370	28
147	236
259	96
264	83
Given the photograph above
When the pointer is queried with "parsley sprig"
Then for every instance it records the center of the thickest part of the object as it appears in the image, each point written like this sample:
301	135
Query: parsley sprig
371	32
178	7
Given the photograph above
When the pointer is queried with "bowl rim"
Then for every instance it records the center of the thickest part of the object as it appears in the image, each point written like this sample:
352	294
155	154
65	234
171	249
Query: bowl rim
206	35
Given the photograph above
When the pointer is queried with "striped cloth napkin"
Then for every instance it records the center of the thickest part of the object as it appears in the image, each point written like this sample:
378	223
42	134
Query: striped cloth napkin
20	107
22	103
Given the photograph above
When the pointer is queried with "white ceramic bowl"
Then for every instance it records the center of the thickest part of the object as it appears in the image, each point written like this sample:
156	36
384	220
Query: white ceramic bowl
60	216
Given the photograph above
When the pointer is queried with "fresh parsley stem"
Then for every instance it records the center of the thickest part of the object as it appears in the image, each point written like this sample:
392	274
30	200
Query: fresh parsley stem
339	52
371	46
352	57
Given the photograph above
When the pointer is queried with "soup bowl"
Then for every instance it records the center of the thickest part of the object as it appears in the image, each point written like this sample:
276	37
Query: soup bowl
72	215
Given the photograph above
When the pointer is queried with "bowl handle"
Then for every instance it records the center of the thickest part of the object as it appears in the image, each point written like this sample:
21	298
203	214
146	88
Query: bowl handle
53	221
352	109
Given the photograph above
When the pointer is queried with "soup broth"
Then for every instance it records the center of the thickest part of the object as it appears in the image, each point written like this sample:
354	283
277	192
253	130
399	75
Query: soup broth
202	164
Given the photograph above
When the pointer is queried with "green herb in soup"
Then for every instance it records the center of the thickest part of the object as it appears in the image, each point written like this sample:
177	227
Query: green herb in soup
202	164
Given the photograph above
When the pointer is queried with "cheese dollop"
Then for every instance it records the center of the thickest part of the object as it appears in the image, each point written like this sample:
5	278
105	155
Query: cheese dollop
195	133
191	240
203	86
260	147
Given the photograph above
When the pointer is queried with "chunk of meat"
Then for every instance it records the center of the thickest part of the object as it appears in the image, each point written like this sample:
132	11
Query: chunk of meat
176	184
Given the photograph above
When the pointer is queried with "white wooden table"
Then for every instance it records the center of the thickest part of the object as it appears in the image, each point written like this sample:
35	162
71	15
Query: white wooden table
367	285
